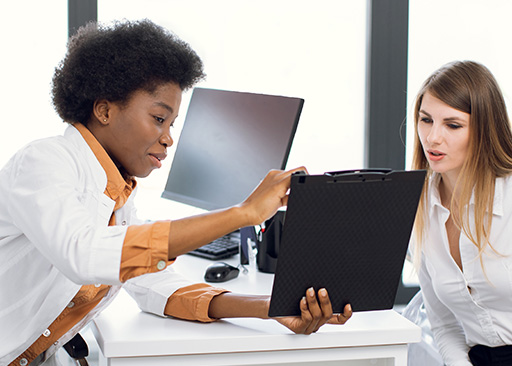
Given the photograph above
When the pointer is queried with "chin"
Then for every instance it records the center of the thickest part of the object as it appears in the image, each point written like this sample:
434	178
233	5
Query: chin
145	173
142	175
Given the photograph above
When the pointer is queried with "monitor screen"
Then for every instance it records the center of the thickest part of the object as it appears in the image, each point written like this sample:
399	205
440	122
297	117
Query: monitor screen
229	141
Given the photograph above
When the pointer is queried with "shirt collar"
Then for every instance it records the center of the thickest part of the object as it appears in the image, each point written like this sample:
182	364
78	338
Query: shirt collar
118	189
498	194
435	197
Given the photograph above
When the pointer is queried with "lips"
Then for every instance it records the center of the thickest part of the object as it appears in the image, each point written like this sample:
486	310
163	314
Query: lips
158	158
435	155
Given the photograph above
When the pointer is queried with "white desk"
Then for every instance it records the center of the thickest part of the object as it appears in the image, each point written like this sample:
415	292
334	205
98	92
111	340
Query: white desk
127	336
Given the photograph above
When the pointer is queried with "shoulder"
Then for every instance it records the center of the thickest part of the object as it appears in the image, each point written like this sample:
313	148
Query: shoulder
506	181
67	156
45	155
503	188
503	193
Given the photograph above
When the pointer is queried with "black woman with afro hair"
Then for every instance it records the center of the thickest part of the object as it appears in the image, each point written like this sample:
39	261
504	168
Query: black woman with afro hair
67	208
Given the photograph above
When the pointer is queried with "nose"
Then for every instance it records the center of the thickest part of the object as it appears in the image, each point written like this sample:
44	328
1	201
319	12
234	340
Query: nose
166	139
435	134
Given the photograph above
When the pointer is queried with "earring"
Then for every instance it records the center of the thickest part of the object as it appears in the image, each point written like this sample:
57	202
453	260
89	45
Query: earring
104	120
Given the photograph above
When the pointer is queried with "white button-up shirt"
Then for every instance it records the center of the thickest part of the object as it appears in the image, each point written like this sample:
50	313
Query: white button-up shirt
472	306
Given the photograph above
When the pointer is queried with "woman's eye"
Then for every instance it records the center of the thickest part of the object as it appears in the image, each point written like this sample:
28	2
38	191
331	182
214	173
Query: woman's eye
159	119
454	126
425	120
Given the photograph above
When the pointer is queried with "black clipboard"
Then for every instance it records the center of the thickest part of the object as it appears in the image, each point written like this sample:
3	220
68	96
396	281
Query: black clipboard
347	231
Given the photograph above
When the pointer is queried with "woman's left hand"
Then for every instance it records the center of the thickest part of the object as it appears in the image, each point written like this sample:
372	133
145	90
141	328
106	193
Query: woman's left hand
315	312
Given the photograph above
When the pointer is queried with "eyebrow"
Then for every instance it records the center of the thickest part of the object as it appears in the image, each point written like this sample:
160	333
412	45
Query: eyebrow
163	105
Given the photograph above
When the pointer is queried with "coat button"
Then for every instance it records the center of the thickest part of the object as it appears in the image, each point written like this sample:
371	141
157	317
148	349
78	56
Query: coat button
161	265
23	362
71	304
47	333
123	223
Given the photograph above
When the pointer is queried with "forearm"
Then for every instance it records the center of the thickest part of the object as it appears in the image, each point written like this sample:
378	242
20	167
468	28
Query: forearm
229	305
315	309
190	233
451	343
447	331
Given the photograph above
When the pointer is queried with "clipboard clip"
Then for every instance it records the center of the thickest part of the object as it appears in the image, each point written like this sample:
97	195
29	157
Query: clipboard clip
359	175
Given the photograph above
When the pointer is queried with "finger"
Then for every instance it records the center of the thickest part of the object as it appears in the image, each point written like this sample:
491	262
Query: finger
284	177
342	318
325	307
288	173
284	200
314	310
347	313
305	316
325	304
298	169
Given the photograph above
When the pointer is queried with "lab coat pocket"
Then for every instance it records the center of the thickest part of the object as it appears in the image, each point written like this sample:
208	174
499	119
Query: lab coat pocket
105	209
100	206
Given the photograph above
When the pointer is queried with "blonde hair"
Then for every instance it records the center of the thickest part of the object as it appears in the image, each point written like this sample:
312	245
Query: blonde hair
471	88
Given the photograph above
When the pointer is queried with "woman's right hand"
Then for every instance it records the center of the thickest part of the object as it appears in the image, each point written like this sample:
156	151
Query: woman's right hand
268	196
316	310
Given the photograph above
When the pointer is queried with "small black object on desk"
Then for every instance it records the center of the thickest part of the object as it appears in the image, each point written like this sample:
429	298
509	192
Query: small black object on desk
268	243
220	272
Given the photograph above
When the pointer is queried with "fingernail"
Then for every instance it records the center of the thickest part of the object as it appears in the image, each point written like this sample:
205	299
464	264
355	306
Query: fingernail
322	292
349	307
311	291
304	300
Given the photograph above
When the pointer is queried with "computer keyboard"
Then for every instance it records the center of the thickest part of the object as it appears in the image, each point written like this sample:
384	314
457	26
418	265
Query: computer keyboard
223	247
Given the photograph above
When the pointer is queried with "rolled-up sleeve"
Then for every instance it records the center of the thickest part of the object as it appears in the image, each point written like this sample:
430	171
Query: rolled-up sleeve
145	249
192	302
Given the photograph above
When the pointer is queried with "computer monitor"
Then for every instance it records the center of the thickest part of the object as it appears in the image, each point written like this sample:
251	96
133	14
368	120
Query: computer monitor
229	141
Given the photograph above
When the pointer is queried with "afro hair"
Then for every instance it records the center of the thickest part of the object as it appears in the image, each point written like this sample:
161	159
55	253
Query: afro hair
113	62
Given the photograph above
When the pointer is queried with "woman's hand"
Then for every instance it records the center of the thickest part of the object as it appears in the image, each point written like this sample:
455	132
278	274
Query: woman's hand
315	312
268	196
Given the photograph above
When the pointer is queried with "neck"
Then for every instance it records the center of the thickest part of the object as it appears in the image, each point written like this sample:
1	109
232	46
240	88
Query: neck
447	189
99	133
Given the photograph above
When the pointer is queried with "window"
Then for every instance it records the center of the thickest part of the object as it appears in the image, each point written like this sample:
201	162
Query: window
32	45
444	31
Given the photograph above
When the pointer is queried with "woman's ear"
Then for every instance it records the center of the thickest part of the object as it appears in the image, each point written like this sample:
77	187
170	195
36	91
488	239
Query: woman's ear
100	111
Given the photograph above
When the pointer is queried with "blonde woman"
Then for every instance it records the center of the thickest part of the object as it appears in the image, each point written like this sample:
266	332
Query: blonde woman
463	241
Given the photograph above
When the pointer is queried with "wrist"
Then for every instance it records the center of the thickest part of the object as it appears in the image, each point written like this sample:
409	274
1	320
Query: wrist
260	306
243	213
265	308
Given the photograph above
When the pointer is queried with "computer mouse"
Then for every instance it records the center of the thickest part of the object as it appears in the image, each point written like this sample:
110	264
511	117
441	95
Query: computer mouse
220	272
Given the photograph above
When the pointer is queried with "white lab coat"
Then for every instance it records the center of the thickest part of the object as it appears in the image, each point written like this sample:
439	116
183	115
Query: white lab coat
54	238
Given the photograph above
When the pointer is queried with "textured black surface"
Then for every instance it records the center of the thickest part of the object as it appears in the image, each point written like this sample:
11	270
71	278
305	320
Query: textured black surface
349	237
